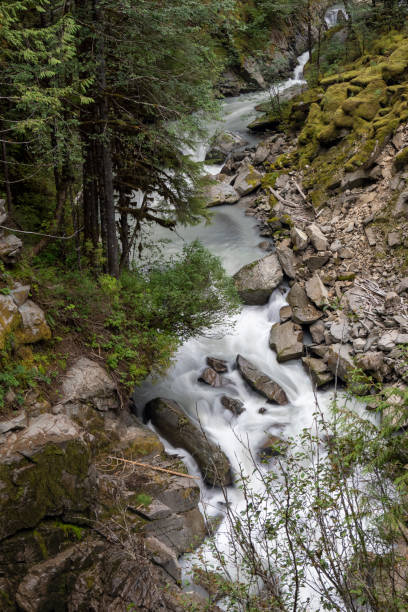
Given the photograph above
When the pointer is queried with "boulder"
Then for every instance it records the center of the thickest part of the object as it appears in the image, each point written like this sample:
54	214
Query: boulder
285	313
261	382
20	294
219	365
287	340
318	370
315	262
222	144
10	248
233	405
390	339
287	260
317	332
402	286
34	327
256	281
316	291
247	180
317	238
373	364
339	330
356	300
304	312
261	153
10	317
221	193
86	383
176	427
339	360
299	239
45	472
211	377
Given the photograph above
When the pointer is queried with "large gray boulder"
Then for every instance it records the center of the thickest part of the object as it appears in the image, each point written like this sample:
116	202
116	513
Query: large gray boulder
287	340
176	427
221	193
222	144
317	238
261	382
256	281
316	291
86	383
304	312
247	180
287	260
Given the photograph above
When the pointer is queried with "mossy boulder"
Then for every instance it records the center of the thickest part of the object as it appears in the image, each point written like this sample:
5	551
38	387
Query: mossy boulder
44	471
401	159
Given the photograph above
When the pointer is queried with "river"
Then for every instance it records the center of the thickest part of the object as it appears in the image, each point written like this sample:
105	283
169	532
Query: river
234	238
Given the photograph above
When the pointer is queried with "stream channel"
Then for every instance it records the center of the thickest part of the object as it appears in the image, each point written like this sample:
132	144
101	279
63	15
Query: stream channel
234	237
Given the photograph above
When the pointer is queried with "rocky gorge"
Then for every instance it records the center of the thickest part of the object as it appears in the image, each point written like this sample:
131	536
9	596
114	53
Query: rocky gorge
97	507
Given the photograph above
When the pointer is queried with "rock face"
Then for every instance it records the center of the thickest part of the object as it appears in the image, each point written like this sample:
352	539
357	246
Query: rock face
221	193
247	180
261	382
256	281
87	383
176	427
287	340
303	310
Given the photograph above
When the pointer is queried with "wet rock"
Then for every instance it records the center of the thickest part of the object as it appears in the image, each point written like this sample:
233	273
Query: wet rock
285	313
174	425
318	370
86	383
315	262
233	405
317	332
299	239
317	238
219	365
261	382
316	291
304	312
223	144
272	447
287	260
10	248
286	340
256	281
262	410
34	327
340	361
212	378
247	180
221	193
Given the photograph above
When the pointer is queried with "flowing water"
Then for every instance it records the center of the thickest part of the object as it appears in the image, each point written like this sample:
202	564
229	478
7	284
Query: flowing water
233	237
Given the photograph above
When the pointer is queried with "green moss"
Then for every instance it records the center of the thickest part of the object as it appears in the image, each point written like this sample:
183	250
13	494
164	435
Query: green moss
70	531
41	543
401	159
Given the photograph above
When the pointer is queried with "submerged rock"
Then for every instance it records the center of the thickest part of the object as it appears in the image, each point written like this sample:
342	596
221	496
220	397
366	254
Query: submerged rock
211	377
176	427
219	365
256	281
287	340
261	382
272	447
233	405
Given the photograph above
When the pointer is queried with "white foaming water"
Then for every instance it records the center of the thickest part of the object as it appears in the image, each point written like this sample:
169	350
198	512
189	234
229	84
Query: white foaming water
333	13
233	237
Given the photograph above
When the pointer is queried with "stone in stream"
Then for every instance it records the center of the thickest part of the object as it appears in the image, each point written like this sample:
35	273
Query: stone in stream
318	370
272	447
285	313
221	193
233	405
222	144
304	312
287	340
256	281
175	426
219	365
247	180
212	378
260	382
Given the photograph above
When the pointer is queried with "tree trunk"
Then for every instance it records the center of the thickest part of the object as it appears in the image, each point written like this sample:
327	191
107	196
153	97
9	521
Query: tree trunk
7	178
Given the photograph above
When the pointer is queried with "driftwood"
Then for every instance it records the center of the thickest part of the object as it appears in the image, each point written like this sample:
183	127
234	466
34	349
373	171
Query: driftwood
279	197
153	467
